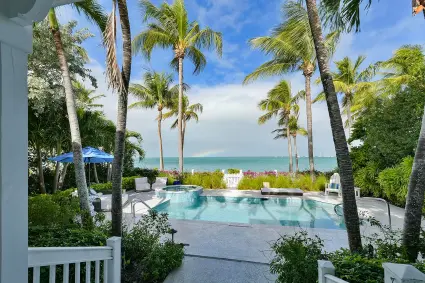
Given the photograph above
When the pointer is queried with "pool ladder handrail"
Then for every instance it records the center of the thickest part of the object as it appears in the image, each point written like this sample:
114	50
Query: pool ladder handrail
372	198
133	204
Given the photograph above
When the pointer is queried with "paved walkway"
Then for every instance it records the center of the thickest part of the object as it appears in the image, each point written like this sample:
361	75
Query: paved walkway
213	270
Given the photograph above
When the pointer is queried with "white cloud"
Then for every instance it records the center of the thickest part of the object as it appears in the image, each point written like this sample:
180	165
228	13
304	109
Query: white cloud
228	124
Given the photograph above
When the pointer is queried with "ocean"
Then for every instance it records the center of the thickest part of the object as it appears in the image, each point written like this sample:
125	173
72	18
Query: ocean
257	164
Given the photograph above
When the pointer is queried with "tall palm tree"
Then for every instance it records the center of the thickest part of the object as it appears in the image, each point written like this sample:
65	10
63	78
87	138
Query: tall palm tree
155	92
351	216
190	112
279	104
93	11
171	28
294	130
118	80
291	44
351	82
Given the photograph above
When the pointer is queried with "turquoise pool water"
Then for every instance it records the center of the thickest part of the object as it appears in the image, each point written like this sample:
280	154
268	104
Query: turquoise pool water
285	212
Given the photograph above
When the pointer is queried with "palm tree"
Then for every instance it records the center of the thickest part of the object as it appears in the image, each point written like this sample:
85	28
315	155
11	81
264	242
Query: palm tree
118	80
291	44
155	92
190	112
295	130
86	98
171	29
351	216
351	82
94	13
279	104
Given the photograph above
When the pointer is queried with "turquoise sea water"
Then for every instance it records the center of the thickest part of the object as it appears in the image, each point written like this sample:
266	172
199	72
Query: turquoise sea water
284	212
257	164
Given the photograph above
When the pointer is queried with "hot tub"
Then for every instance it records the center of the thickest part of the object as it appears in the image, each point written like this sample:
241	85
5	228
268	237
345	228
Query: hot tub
180	193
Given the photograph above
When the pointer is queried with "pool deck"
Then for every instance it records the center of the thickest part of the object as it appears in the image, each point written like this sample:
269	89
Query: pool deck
244	246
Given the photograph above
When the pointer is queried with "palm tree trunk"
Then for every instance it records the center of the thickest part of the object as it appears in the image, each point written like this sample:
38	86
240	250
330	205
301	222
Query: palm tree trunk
415	199
96	178
289	149
296	155
109	173
161	156
184	132
40	171
348	117
80	176
121	122
351	216
56	179
63	175
180	115
309	123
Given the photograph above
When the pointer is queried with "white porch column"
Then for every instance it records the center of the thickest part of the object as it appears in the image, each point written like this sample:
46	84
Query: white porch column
16	18
13	152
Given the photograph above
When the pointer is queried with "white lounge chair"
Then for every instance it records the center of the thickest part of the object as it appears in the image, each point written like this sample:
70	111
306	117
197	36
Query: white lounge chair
142	184
160	183
334	185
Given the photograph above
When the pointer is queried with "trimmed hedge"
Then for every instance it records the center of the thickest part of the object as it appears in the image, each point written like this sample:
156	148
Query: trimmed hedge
106	188
282	181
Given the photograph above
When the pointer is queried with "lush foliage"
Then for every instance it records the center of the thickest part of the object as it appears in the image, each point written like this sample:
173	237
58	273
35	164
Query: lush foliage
302	181
146	258
233	171
296	258
54	221
106	188
48	126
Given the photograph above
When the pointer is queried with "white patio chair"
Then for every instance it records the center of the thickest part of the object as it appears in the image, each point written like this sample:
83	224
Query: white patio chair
334	185
142	184
160	183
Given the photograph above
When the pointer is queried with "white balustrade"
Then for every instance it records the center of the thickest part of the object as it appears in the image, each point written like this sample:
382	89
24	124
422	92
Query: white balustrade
108	256
232	180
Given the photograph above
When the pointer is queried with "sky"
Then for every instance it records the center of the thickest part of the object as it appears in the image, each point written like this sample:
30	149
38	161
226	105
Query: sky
228	125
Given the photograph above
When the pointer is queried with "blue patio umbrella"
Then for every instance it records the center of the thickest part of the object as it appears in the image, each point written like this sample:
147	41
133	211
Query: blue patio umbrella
90	155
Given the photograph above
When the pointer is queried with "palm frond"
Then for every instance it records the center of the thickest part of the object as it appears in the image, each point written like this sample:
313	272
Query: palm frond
320	97
273	67
93	12
197	58
113	72
174	125
207	38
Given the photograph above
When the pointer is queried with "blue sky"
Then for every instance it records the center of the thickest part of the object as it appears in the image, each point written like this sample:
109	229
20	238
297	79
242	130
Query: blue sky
228	125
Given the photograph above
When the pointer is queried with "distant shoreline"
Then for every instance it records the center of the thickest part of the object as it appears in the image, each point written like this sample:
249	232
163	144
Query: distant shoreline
252	163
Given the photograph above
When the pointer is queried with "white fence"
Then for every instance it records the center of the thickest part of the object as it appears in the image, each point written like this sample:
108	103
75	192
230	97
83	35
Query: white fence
110	255
232	180
393	273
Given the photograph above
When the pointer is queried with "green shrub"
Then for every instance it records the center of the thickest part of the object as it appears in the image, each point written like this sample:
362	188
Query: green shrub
366	179
394	181
128	184
296	258
356	268
207	180
282	181
233	171
146	259
55	210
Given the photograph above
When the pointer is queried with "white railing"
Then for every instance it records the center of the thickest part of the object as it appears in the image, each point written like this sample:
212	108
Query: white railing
393	273
109	257
232	180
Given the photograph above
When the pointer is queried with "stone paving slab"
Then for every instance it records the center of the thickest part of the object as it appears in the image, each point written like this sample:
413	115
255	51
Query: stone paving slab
209	270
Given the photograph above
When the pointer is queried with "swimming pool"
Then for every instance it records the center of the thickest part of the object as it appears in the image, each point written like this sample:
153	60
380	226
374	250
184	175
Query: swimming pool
272	211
